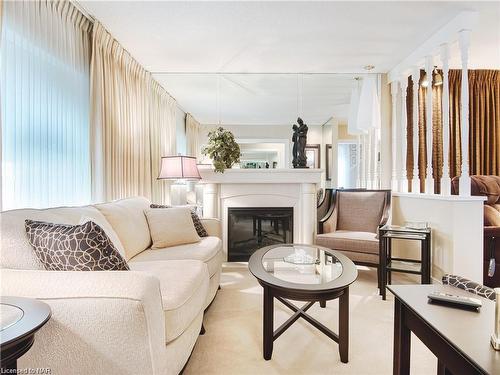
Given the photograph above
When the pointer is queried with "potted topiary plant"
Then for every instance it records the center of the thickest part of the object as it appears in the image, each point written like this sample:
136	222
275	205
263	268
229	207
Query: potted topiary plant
222	149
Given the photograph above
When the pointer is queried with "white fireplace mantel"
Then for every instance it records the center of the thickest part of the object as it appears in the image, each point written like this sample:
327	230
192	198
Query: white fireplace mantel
263	188
261	176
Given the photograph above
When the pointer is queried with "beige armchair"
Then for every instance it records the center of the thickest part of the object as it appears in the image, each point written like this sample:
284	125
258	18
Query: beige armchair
351	225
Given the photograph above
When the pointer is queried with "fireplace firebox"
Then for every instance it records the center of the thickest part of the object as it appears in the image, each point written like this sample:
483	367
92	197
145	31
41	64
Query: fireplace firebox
249	229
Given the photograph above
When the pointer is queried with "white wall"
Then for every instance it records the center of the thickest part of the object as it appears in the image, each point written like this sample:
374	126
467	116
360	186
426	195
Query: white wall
457	231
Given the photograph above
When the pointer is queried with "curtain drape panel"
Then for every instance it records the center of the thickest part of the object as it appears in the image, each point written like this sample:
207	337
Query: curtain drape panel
132	124
44	92
193	137
484	126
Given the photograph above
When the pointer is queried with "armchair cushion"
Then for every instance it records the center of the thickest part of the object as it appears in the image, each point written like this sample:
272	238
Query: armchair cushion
361	242
360	211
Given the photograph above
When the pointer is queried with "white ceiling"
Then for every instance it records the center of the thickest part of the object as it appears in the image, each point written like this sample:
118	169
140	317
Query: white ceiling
280	37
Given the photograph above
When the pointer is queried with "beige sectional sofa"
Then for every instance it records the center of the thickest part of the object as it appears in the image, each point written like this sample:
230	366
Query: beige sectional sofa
143	321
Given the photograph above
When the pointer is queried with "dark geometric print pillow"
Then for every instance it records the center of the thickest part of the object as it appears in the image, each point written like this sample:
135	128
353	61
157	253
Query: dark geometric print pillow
200	229
469	286
84	247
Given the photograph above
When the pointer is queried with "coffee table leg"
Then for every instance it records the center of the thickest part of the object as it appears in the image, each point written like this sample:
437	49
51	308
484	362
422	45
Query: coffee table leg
344	326
268	331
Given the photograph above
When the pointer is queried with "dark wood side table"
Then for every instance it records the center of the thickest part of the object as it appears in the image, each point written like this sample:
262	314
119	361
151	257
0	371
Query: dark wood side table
460	339
20	319
325	276
389	264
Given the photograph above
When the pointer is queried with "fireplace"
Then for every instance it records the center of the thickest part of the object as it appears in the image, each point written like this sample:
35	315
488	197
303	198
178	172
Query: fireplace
249	229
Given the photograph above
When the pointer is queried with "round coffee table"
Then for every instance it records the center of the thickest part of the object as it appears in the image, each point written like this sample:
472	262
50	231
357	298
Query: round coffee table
20	318
303	273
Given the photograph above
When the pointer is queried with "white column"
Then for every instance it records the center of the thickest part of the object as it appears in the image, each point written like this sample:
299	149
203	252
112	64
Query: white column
334	168
429	180
416	180
369	160
210	200
445	180
376	159
364	161
359	162
403	137
464	183
308	200
394	133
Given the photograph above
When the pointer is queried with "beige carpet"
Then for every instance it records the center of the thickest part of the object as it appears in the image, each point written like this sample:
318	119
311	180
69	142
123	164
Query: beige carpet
233	340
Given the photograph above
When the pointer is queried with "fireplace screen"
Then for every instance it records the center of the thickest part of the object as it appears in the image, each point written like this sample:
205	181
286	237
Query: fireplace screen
249	229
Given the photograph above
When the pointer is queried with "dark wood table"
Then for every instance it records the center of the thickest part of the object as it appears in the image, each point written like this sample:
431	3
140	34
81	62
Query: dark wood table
327	276
460	339
21	318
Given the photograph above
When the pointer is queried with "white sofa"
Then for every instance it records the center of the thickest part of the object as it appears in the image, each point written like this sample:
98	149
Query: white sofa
143	321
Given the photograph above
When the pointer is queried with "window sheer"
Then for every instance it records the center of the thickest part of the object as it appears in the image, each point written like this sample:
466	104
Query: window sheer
44	88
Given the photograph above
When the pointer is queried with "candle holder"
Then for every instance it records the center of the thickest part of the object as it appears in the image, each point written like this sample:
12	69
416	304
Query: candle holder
495	337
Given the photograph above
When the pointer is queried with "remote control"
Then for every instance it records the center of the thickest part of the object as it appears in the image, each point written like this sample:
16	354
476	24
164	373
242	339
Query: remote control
452	299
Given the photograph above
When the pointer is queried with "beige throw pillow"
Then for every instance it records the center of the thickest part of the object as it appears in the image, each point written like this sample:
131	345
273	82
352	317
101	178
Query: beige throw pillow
171	227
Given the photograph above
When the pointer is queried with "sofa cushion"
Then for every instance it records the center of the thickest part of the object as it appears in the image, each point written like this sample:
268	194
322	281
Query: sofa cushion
362	242
127	218
184	288
63	247
491	216
200	229
208	250
171	227
16	252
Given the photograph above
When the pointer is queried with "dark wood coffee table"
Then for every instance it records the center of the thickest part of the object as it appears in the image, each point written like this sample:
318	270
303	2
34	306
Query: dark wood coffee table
20	319
307	273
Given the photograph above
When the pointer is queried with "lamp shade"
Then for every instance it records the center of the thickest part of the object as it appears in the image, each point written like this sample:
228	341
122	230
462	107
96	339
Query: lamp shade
179	168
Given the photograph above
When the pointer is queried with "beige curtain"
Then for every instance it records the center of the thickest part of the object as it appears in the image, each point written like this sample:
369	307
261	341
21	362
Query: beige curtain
163	138
132	123
193	137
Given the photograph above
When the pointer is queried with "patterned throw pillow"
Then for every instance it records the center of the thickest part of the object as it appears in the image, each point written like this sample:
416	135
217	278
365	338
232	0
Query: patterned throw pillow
469	286
84	247
200	229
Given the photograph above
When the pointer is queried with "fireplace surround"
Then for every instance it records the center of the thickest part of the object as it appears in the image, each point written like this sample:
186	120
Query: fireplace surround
263	188
250	228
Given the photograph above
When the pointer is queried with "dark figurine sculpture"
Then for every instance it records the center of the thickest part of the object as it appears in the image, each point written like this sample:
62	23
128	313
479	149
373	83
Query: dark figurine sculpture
299	139
295	140
302	143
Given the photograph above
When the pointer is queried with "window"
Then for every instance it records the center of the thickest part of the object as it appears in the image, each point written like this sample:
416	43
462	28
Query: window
44	97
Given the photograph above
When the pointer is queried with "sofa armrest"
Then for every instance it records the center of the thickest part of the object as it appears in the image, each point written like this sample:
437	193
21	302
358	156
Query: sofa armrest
213	226
102	321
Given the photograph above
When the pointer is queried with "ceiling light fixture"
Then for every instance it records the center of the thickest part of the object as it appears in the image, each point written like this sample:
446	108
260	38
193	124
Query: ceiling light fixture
369	67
